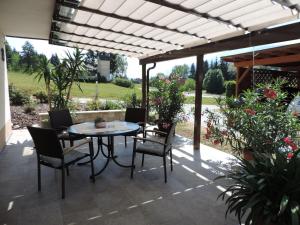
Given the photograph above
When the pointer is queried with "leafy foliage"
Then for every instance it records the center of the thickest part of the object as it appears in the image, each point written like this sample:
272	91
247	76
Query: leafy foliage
265	190
181	70
123	82
17	97
257	122
189	85
214	81
132	101
230	88
167	99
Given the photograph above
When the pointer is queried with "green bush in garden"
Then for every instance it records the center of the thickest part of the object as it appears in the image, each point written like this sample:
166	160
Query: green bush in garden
41	96
123	82
230	88
214	81
17	97
189	85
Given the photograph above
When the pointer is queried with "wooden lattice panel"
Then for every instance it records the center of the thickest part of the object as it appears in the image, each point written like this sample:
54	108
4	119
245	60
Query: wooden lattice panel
268	76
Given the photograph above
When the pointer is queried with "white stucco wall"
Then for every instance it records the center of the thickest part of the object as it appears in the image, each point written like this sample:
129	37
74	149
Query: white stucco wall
5	124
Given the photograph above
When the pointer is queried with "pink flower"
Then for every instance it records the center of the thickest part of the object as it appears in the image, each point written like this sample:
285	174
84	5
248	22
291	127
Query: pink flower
290	155
290	142
250	112
270	93
167	81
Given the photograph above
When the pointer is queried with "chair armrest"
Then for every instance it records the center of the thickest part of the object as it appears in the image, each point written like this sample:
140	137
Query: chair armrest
156	131
146	139
69	149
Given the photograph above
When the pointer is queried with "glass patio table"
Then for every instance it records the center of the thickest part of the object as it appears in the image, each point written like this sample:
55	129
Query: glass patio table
111	129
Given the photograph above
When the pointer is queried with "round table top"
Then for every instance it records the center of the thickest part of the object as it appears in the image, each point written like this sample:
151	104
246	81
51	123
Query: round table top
114	128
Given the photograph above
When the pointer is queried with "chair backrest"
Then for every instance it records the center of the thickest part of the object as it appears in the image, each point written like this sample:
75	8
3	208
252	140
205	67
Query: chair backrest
46	141
135	115
60	119
170	136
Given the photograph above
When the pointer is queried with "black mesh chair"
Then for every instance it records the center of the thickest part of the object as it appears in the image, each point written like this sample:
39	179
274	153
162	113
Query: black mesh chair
154	147
60	120
136	115
50	153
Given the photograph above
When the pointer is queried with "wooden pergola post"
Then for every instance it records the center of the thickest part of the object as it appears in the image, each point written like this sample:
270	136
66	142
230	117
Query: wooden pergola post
144	86
198	102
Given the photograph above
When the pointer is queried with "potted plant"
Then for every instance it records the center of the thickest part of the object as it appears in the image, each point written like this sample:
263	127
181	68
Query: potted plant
255	122
266	191
167	101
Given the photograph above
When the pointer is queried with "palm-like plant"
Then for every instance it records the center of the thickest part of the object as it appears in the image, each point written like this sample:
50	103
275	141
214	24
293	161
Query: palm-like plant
44	72
75	67
266	190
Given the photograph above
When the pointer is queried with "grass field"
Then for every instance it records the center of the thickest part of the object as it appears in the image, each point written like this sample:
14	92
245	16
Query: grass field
106	91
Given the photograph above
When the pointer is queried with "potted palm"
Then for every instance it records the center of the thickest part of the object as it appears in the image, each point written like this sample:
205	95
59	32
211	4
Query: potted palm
265	191
167	101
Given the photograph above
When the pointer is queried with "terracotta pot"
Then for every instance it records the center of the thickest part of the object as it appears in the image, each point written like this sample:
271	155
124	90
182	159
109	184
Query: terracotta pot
248	155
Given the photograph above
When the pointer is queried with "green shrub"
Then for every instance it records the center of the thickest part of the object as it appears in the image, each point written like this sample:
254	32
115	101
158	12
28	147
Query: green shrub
29	108
123	82
41	96
214	81
132	101
189	85
93	105
230	88
109	105
17	97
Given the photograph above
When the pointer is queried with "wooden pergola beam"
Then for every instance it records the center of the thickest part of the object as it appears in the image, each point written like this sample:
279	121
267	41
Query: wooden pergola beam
269	61
195	13
128	19
266	36
112	31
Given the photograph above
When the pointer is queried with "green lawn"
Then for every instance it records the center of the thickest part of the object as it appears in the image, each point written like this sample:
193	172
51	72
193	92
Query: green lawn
107	91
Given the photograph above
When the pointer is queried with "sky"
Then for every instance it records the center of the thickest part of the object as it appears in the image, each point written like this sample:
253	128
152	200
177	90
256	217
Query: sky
134	70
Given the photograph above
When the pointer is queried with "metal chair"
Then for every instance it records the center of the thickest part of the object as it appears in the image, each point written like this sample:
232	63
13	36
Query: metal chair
136	115
50	153
60	120
154	147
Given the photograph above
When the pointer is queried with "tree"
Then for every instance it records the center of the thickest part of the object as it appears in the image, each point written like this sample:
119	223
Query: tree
214	81
75	68
121	66
205	67
29	58
224	69
8	53
181	70
43	72
54	60
193	71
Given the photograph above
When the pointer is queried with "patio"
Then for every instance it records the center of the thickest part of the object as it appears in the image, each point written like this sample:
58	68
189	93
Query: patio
189	197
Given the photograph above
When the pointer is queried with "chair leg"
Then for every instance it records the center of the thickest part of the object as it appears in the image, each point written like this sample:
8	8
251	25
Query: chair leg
171	159
67	170
39	176
143	158
91	145
63	143
132	164
71	143
63	181
165	169
125	141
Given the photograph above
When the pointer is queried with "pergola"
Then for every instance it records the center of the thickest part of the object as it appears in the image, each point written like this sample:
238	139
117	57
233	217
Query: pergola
160	30
285	60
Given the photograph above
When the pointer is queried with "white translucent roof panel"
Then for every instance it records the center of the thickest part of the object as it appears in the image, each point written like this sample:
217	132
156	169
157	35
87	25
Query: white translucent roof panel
142	28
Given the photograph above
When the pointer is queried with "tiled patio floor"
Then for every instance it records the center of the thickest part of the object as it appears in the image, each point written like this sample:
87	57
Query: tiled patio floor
188	198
